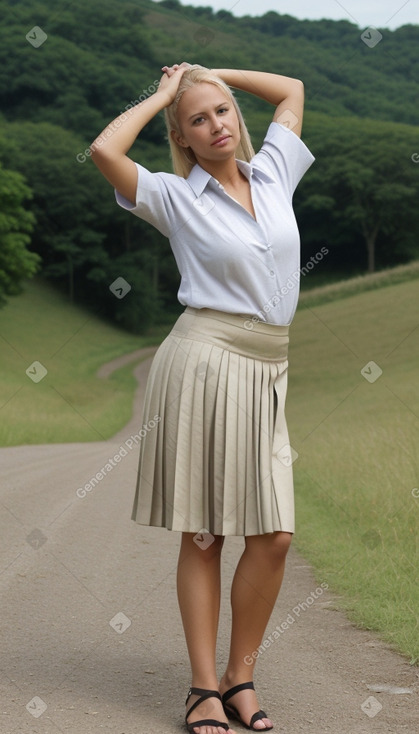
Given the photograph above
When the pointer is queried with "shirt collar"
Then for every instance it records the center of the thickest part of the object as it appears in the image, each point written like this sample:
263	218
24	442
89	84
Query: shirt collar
198	178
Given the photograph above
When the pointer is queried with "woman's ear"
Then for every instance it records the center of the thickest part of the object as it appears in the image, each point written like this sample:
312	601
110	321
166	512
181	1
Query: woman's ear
178	139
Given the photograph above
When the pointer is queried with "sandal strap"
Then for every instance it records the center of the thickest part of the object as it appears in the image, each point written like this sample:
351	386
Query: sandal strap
203	694
209	722
241	687
258	715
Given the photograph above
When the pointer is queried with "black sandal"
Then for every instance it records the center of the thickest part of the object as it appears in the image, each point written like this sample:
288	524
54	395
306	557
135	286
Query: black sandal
233	713
204	694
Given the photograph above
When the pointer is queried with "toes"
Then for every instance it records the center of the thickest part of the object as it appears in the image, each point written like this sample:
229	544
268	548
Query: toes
262	724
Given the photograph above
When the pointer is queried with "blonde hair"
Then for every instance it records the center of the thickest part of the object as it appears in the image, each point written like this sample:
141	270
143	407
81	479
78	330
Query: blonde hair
183	159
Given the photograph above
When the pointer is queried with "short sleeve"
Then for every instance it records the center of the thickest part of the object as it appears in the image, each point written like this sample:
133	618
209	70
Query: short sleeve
285	156
152	201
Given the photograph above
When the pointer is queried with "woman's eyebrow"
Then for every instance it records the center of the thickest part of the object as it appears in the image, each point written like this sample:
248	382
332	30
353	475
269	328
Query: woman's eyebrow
221	104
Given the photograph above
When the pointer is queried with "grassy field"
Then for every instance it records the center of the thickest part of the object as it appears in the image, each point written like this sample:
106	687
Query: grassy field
357	440
69	403
354	424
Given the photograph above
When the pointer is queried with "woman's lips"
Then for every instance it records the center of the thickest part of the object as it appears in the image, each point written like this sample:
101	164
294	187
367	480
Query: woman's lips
222	140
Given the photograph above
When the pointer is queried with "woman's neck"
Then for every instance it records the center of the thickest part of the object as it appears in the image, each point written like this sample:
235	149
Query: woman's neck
226	172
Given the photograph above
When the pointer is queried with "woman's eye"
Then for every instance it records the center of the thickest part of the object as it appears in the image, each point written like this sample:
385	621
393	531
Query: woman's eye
220	111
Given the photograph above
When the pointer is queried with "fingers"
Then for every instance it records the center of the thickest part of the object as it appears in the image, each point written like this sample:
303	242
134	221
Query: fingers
170	70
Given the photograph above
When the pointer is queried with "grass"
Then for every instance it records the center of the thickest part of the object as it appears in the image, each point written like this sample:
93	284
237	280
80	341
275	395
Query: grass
357	517
360	284
70	403
358	460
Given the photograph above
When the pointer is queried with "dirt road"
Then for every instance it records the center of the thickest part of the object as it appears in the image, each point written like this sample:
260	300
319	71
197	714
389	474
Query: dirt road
91	636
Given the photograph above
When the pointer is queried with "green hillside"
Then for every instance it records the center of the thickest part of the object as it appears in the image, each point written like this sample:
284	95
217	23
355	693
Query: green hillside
69	403
60	85
105	52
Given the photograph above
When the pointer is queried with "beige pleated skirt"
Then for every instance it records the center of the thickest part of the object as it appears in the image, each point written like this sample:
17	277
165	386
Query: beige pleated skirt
215	453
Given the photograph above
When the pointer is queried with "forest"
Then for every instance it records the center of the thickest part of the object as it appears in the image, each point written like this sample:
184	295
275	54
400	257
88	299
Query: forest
68	69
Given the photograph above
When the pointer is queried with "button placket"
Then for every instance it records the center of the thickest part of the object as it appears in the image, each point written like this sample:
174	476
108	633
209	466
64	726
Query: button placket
270	261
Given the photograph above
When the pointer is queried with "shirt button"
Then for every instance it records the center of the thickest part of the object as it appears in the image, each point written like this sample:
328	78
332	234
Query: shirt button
272	273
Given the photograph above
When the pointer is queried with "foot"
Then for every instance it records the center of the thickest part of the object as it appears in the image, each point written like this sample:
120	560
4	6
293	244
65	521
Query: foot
245	702
211	708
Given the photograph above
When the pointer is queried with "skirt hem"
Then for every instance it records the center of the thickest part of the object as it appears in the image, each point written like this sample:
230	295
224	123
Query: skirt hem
206	530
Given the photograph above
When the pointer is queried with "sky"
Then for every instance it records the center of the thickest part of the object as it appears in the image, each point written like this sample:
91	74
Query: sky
379	13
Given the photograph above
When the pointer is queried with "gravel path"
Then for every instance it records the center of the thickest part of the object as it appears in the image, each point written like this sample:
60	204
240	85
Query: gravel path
92	640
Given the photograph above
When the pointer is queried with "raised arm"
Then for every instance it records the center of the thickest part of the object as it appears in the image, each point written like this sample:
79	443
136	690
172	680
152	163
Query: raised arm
109	150
285	93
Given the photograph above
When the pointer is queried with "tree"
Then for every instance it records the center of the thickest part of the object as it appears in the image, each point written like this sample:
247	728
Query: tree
363	186
16	224
171	4
85	239
376	204
66	198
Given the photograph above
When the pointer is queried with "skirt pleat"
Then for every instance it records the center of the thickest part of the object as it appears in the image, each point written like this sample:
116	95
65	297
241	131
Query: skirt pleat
217	456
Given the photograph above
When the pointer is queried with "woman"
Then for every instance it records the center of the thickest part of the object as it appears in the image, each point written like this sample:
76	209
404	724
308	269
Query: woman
215	460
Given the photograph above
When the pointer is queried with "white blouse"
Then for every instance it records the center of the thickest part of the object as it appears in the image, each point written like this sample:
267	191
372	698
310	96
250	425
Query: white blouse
227	259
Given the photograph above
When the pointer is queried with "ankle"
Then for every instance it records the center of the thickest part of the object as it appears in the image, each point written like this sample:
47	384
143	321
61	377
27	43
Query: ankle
235	676
207	683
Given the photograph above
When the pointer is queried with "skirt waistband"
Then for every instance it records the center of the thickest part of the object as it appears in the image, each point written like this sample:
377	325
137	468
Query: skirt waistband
234	332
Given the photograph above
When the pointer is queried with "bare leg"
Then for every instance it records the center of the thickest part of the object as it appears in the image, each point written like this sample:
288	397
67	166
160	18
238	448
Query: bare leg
198	586
254	591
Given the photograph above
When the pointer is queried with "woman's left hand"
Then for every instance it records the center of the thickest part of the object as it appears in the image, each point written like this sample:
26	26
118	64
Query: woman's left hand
169	70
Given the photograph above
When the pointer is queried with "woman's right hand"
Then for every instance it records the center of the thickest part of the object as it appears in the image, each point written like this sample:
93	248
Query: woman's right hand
109	150
169	83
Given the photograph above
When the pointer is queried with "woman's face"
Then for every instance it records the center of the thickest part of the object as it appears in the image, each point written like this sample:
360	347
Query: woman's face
208	123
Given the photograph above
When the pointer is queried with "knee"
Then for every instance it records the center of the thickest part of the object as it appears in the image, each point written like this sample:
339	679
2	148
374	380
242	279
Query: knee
204	546
272	547
280	544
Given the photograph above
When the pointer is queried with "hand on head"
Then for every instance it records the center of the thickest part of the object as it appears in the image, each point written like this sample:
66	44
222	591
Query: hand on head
170	70
170	80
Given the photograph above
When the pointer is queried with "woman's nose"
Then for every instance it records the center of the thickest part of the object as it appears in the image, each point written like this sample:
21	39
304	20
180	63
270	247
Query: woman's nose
216	124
